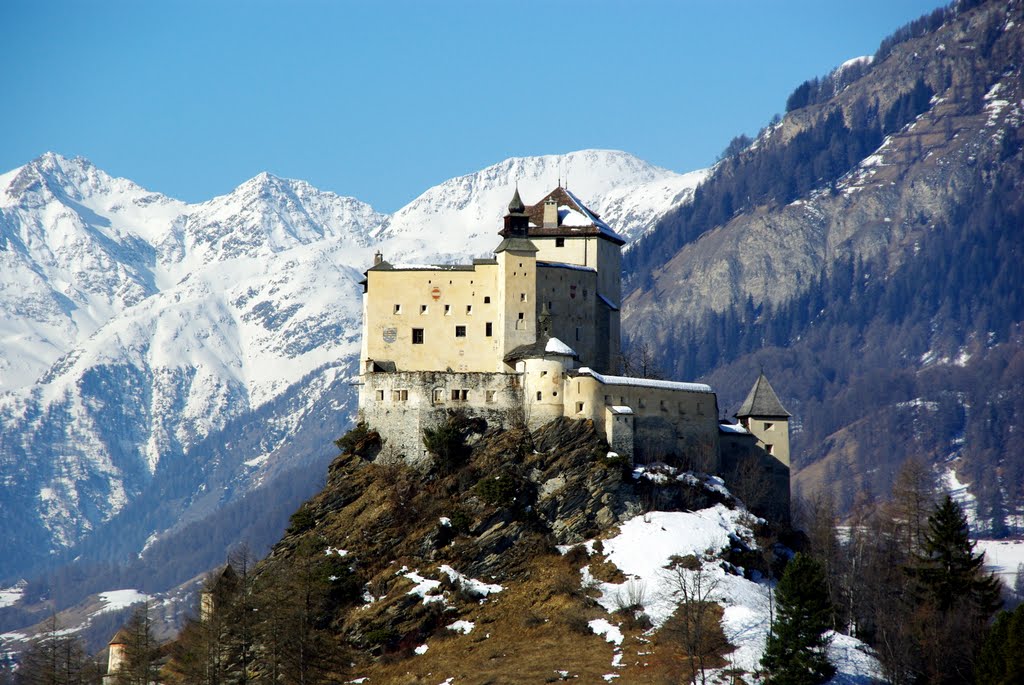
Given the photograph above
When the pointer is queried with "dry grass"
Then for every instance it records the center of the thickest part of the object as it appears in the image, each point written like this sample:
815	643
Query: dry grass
528	634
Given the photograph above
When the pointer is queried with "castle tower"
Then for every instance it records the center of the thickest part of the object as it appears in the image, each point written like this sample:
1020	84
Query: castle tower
764	416
517	280
116	654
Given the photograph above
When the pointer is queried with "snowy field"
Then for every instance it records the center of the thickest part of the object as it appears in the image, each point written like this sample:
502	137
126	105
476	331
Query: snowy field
1002	557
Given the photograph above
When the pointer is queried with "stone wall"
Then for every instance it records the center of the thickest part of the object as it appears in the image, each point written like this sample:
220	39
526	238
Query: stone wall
400	405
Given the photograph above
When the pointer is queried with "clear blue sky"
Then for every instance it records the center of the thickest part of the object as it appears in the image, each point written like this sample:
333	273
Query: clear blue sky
381	100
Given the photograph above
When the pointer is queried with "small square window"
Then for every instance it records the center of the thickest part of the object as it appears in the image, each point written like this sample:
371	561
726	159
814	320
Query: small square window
380	395
423	309
643	403
769	426
663	407
399	395
460	331
607	399
460	395
438	395
487	299
469	309
539	395
559	242
447	309
522	316
398	309
490	396
579	407
522	297
417	336
770	449
488	329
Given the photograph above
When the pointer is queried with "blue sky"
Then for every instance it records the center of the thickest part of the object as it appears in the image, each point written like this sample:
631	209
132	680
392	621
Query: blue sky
381	100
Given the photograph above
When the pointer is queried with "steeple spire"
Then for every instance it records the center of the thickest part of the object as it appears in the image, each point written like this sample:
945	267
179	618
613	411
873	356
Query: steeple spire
516	221
516	206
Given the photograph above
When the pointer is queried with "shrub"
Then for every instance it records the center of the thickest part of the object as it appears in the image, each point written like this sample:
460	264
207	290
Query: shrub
499	491
381	637
301	521
358	439
447	441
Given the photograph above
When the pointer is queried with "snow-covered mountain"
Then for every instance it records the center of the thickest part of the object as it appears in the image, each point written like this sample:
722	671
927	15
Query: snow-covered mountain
138	331
458	217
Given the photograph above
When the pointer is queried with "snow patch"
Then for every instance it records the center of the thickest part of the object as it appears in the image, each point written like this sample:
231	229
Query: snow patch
556	346
464	627
115	600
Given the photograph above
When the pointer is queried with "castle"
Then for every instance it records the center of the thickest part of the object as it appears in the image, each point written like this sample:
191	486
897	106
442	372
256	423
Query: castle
533	334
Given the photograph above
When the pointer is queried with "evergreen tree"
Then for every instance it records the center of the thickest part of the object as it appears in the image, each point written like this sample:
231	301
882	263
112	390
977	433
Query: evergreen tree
141	651
795	653
948	571
1002	654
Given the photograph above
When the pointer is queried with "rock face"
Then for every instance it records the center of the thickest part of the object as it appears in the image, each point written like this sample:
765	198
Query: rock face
886	204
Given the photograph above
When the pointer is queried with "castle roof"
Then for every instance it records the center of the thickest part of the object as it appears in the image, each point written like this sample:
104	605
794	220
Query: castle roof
762	401
543	347
574	219
121	637
644	382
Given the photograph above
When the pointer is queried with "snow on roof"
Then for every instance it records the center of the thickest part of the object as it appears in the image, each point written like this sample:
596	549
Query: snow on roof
564	265
644	382
620	409
605	228
567	216
733	428
558	347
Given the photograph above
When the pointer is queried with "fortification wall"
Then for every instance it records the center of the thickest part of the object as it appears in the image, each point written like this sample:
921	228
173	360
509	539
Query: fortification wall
669	420
400	405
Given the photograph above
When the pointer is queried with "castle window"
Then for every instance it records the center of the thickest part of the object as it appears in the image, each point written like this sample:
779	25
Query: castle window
543	373
447	309
423	309
487	299
769	426
579	407
559	242
488	329
554	393
770	449
417	336
577	333
490	396
438	395
607	399
399	395
539	395
522	297
469	309
664	407
622	400
643	403
380	395
584	293
398	309
459	395
682	408
460	331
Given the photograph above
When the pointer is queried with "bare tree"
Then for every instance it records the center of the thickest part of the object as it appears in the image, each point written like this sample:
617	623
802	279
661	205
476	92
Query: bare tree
695	622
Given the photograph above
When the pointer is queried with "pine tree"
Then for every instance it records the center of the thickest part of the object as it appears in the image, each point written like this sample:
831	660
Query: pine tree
948	571
1001	661
795	653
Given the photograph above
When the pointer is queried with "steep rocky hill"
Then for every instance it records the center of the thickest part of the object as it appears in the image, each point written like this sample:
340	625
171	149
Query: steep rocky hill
530	558
865	250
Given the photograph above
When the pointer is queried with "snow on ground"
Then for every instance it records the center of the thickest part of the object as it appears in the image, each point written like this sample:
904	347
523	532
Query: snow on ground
10	595
464	627
115	600
960	494
644	547
1002	557
854	664
471	584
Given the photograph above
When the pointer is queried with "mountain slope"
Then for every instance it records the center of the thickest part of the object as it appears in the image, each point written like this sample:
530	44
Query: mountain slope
915	163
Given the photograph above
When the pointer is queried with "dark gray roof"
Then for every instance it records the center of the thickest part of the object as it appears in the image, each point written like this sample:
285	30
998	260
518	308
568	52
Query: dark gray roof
762	401
516	245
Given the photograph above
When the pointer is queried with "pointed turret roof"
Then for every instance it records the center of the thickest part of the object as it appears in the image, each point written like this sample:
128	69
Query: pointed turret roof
762	401
516	206
121	637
